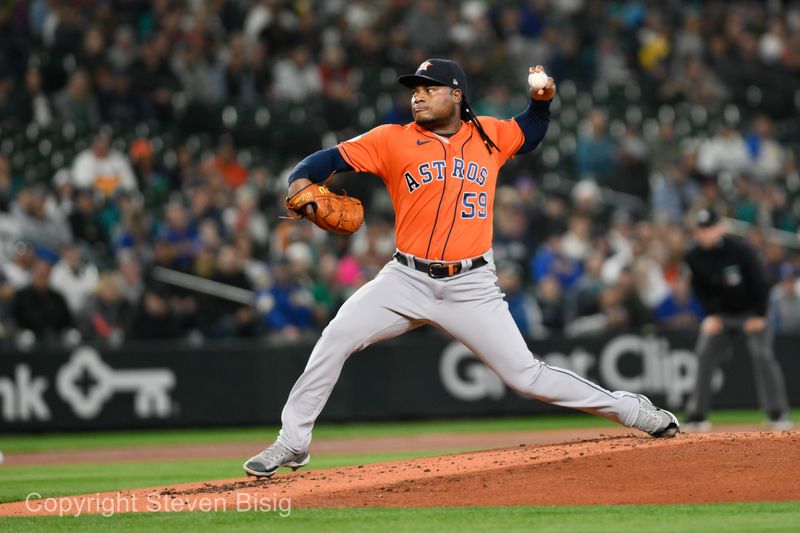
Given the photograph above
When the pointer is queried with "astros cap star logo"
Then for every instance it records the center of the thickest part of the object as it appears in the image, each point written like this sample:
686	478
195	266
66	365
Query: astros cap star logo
424	65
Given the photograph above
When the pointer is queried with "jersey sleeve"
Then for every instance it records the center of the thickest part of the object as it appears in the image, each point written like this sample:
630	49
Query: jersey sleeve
506	134
367	152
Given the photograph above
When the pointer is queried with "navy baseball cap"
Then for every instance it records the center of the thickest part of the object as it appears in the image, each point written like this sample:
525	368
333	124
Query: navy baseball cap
706	217
437	72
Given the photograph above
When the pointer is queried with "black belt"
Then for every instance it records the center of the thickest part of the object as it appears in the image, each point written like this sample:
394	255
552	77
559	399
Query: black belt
439	269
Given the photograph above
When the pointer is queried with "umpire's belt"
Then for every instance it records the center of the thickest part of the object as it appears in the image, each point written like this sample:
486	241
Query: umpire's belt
440	269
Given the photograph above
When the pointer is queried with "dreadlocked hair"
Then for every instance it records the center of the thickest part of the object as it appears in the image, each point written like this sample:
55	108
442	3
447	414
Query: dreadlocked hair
469	115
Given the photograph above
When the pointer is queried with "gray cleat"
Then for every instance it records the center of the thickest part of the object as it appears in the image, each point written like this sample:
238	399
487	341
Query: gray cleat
657	422
266	463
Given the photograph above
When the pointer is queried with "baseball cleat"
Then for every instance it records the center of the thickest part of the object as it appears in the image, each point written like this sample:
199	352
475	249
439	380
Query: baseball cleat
657	422
266	463
782	424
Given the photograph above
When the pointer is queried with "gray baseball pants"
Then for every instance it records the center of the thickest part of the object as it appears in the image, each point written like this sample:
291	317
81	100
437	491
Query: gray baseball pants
470	307
767	373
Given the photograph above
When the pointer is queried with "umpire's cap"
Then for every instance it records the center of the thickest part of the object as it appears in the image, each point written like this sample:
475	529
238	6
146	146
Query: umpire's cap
437	72
706	218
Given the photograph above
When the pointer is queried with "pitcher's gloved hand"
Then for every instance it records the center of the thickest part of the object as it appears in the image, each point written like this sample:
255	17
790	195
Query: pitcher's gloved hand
330	211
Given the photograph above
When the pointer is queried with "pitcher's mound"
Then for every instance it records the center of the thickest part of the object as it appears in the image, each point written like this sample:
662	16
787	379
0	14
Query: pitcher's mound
720	467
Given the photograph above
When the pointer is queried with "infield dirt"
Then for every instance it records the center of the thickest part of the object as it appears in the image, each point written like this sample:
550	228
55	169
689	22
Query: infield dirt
622	469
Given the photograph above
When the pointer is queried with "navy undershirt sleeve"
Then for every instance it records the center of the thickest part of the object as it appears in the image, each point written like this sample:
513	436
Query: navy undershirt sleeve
320	165
533	122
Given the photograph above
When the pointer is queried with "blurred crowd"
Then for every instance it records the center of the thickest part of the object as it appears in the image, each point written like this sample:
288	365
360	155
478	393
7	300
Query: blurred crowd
122	244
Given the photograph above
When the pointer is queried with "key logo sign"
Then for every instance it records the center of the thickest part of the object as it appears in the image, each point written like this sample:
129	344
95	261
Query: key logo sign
86	383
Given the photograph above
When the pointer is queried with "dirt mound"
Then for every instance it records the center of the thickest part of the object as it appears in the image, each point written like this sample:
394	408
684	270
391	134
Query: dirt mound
428	442
700	468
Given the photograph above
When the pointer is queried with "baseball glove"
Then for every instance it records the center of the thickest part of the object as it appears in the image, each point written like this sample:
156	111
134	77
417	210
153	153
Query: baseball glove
331	211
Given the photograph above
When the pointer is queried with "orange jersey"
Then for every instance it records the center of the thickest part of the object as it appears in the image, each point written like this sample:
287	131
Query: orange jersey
442	188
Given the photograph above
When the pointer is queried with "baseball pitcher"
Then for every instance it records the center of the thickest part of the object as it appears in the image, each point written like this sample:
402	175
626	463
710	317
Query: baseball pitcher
441	171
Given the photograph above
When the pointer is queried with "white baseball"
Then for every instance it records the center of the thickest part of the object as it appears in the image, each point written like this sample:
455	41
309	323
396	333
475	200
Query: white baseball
537	80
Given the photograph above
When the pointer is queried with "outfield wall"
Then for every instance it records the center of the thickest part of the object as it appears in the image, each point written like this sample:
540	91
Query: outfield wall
416	376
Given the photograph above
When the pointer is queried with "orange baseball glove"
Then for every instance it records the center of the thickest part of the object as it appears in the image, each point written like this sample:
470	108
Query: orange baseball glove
330	211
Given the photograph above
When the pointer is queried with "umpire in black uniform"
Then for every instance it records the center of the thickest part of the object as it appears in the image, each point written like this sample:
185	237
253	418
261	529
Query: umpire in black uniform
730	281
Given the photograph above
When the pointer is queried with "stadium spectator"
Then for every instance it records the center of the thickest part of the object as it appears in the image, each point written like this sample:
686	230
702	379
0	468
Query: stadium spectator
200	80
511	241
6	93
74	278
107	315
224	163
680	310
85	221
40	309
596	153
550	298
128	224
122	54
239	83
291	311
426	20
154	81
664	149
244	217
635	313
36	224
129	278
522	306
695	83
32	104
221	317
6	185
611	64
672	194
583	298
689	41
76	103
180	231
150	178
725	151
611	316
648	272
638	111
258	66
784	301
102	168
576	242
118	102
297	78
161	300
550	260
549	220
92	54
6	301
182	302
339	89
154	319
17	270
633	170
767	156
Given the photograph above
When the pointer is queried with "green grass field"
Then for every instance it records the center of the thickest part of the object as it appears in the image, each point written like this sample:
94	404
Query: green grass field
101	439
54	480
755	517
